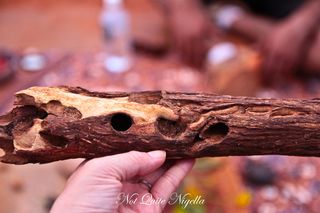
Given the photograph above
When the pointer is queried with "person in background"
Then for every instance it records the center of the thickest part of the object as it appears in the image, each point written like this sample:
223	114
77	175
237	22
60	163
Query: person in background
191	28
287	33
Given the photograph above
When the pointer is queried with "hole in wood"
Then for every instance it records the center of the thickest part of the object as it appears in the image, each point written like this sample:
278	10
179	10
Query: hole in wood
42	114
54	140
56	108
197	138
28	112
170	128
282	112
216	131
121	122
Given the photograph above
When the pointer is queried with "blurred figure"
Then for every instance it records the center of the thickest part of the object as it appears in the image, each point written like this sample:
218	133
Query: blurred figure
286	32
192	29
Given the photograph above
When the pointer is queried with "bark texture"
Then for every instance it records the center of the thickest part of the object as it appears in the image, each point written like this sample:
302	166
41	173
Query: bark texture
56	123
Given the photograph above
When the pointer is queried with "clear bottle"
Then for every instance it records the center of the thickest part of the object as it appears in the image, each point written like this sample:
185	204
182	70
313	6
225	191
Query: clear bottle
115	22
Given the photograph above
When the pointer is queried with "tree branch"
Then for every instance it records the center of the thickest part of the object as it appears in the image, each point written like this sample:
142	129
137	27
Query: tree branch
57	123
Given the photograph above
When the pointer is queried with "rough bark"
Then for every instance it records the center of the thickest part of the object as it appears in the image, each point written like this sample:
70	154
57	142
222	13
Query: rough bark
57	123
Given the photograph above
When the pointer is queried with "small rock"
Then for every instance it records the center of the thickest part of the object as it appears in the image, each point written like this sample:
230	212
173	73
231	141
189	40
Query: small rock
267	208
308	171
258	173
269	193
315	187
303	195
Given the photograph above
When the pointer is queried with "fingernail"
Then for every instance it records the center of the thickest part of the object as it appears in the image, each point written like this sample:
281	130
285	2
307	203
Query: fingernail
157	154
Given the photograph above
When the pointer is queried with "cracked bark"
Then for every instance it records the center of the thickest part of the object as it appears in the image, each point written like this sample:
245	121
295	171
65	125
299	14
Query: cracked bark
57	123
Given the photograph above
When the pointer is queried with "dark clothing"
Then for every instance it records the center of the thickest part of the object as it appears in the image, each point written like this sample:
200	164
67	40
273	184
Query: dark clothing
272	8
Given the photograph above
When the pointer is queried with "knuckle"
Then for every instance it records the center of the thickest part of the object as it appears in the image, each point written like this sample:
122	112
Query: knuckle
157	193
170	180
136	156
92	165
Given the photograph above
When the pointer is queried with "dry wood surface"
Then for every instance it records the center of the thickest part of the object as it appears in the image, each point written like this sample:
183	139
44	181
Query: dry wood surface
56	123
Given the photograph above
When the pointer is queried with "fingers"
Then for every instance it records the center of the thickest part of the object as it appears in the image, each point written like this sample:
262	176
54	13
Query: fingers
191	48
171	179
188	50
280	60
178	44
185	49
154	176
271	66
267	61
128	165
201	53
196	52
277	67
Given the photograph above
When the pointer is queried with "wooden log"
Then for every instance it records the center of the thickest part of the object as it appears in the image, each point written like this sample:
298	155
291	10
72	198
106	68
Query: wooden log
57	123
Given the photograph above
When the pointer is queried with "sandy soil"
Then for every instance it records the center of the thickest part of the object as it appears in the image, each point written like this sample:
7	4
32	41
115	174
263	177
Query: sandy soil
66	25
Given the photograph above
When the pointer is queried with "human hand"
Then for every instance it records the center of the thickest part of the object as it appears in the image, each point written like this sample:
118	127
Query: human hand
97	184
282	50
191	30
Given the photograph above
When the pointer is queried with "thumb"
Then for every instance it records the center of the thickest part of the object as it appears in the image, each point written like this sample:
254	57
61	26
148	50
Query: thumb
128	165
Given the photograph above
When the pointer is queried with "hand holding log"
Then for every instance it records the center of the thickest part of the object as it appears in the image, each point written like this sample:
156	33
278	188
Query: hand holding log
57	123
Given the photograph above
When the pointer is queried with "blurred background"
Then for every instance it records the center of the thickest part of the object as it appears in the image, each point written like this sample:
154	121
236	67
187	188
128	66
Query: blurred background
264	48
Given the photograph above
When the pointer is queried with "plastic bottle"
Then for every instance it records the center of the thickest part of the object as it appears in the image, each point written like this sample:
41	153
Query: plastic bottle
115	22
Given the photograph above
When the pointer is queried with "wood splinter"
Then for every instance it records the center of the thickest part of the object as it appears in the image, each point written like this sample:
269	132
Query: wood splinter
56	123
